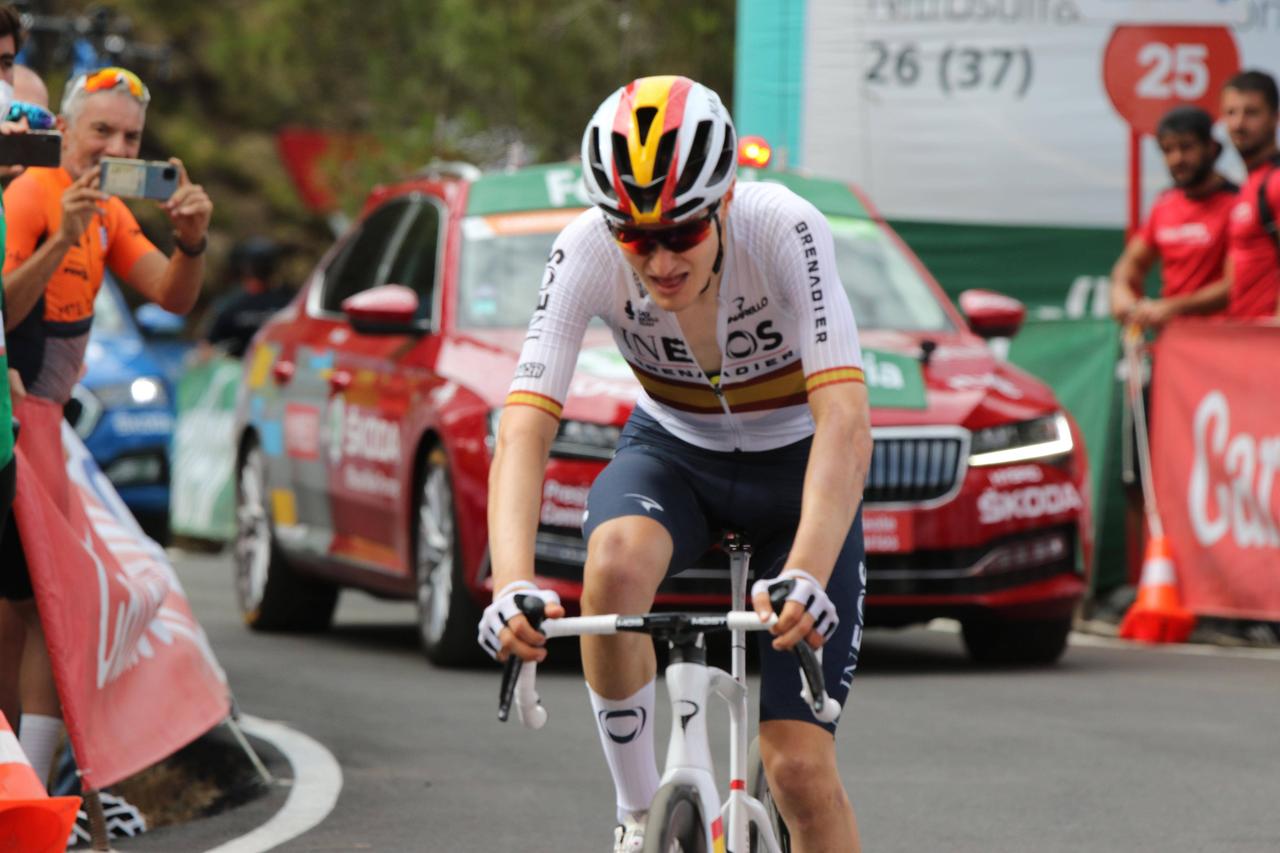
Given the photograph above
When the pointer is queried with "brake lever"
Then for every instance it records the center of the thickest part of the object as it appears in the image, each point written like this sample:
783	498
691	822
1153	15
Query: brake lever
535	611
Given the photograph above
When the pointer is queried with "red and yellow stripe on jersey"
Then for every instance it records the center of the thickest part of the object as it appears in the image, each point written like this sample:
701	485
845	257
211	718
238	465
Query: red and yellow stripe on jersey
667	95
786	387
834	376
538	401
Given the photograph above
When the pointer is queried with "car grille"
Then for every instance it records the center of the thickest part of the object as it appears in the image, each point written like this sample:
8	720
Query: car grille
910	469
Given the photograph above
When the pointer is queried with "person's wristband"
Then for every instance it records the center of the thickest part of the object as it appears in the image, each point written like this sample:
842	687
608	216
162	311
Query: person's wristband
191	251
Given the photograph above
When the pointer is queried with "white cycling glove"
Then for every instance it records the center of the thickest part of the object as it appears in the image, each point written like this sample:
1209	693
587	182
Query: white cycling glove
811	595
506	603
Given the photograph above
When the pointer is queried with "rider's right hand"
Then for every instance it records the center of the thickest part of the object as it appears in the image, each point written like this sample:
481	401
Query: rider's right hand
505	631
80	202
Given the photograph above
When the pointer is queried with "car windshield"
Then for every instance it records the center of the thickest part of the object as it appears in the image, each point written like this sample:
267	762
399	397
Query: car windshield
884	286
503	257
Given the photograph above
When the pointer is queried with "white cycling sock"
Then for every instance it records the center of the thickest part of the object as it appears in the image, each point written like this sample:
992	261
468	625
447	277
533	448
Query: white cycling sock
39	737
626	733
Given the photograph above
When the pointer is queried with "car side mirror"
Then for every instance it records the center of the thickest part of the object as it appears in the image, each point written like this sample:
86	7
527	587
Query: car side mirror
389	309
155	322
991	314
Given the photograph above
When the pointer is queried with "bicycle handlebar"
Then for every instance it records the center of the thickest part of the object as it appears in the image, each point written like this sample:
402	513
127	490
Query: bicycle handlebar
518	678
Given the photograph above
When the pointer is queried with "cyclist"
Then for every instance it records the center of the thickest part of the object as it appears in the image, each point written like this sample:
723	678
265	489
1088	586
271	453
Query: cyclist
725	302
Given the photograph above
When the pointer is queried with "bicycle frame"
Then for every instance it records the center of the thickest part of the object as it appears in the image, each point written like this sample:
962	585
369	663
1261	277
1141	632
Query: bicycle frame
690	681
688	751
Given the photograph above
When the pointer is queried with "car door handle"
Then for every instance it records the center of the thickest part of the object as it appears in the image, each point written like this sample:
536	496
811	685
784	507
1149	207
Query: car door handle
282	371
339	381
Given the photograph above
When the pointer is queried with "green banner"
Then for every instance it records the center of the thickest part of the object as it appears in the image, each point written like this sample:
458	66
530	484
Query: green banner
1077	358
202	486
893	381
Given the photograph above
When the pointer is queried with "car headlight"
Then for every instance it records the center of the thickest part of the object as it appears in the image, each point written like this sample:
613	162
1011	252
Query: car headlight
574	439
1041	438
143	391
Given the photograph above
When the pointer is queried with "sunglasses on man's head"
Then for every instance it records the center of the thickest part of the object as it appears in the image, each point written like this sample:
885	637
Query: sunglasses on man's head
105	79
677	238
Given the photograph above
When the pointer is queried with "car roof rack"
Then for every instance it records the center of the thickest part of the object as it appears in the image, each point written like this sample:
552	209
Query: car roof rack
449	169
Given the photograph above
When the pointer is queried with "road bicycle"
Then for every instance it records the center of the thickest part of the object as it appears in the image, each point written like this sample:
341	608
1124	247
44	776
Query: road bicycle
687	814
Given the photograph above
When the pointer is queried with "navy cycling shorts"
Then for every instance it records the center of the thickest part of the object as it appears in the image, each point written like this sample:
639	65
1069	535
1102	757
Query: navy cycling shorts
695	494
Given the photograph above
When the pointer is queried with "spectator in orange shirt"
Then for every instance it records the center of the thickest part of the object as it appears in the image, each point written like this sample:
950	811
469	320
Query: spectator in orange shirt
64	232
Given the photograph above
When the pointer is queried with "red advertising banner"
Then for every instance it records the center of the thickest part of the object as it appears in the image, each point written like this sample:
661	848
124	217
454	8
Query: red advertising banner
134	670
1216	462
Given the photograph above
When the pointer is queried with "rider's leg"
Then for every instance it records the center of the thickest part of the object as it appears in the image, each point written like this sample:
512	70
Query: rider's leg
800	763
798	752
626	560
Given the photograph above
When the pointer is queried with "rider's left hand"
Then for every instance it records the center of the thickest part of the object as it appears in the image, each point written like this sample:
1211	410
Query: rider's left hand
807	603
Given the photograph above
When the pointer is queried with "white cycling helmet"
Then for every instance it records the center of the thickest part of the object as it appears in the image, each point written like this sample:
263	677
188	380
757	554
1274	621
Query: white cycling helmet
659	151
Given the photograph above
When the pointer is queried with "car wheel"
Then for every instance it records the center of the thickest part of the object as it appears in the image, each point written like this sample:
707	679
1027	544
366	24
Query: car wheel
447	617
991	640
273	595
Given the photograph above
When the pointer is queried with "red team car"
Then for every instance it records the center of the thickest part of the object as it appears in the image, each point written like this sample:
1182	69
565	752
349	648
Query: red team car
368	409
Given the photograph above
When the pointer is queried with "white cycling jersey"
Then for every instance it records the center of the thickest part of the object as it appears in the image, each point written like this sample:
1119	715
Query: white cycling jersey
784	326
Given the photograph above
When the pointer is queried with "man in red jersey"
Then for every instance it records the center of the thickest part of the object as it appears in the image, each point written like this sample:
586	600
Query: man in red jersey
1250	110
1186	230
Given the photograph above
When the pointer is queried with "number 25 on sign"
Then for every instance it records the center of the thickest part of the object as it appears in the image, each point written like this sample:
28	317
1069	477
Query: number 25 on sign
1148	70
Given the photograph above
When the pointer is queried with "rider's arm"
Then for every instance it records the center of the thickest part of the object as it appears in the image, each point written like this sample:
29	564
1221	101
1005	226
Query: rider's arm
531	415
834	477
1128	275
804	267
520	455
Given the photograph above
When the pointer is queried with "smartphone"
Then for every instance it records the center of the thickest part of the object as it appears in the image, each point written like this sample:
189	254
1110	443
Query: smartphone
139	178
33	148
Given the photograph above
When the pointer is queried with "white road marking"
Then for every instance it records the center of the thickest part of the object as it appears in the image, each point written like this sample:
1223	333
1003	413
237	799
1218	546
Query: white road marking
951	626
317	780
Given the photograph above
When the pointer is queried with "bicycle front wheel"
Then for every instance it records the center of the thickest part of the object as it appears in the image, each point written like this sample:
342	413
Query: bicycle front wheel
675	823
758	787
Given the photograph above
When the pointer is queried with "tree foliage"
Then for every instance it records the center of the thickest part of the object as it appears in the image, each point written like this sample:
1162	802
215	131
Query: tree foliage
450	79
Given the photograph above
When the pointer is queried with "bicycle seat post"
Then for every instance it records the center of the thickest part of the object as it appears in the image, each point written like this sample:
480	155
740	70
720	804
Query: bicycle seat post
739	550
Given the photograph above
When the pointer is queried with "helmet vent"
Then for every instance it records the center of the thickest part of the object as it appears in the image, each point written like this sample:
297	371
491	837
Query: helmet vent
644	121
697	158
597	165
728	155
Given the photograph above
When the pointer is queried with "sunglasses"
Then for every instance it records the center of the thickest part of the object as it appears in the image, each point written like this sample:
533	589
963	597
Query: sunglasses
38	118
106	79
677	238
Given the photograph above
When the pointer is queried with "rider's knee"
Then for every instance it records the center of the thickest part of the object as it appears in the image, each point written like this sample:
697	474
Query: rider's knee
804	782
622	562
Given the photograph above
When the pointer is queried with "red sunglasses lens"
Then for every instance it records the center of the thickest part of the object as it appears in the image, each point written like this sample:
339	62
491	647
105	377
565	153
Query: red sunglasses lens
644	241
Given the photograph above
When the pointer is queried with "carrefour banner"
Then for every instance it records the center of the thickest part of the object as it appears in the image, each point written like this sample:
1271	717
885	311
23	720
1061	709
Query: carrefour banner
996	133
133	667
1216	455
202	488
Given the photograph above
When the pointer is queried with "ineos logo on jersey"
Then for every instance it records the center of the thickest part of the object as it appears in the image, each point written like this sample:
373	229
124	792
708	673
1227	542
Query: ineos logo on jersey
742	344
623	726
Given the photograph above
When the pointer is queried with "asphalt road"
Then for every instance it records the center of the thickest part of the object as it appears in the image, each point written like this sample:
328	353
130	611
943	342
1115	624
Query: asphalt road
1118	748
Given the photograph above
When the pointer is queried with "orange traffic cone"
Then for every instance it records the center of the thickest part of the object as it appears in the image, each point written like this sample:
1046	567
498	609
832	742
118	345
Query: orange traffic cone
30	820
1157	616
